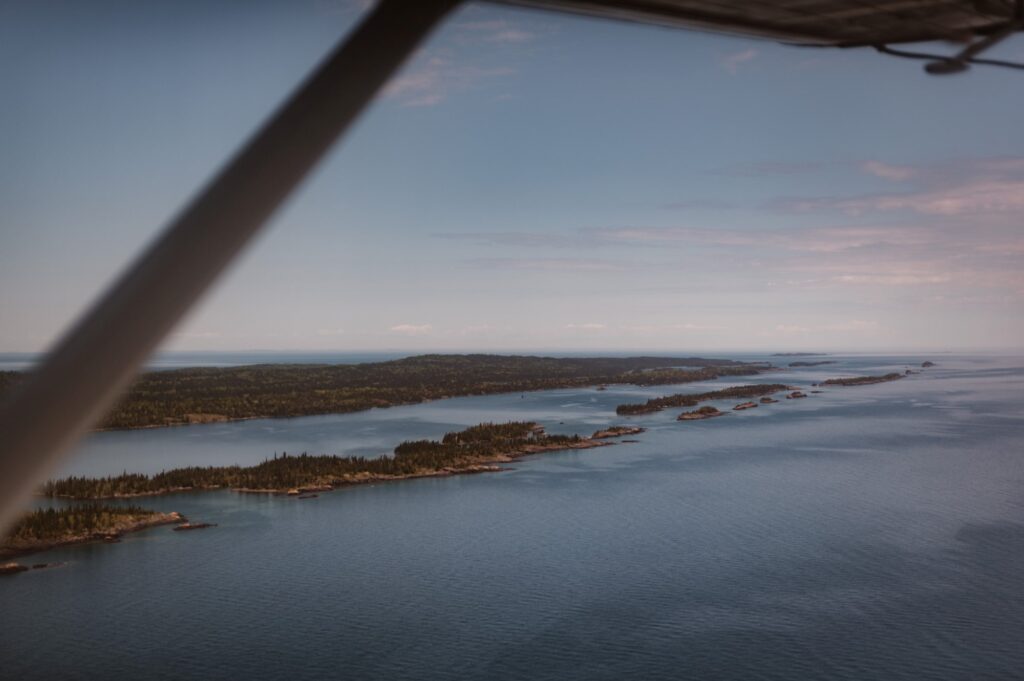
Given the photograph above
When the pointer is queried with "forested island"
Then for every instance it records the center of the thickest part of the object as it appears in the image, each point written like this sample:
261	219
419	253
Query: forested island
812	364
47	528
202	395
700	414
475	449
863	380
693	399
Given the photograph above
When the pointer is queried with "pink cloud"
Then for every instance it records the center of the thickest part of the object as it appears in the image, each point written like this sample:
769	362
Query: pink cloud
431	81
963	187
732	62
888	172
550	264
510	35
412	329
495	31
984	196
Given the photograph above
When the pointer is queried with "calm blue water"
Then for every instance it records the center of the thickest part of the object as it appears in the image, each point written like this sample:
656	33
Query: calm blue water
864	533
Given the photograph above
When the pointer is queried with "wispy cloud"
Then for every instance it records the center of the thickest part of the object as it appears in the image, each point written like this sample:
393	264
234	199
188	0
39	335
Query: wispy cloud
701	204
511	35
854	325
487	25
870	255
495	31
964	187
787	330
653	236
984	197
731	62
770	168
196	335
477	329
522	239
550	264
341	7
795	239
888	172
861	327
653	329
953	233
432	80
893	279
412	329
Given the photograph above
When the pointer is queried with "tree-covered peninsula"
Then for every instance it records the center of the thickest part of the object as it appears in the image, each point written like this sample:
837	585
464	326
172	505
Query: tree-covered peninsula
476	449
198	395
47	528
863	380
693	399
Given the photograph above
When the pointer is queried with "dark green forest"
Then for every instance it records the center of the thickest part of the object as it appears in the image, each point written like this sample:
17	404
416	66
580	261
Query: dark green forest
476	445
161	398
863	380
46	524
692	400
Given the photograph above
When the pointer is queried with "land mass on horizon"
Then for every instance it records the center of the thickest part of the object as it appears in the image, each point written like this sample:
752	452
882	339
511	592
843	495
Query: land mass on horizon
205	395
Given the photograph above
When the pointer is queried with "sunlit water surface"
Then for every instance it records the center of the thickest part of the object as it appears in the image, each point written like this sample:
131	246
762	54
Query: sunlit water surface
873	532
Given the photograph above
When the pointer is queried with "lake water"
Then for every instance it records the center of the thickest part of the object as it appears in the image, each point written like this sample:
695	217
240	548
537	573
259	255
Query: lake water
871	532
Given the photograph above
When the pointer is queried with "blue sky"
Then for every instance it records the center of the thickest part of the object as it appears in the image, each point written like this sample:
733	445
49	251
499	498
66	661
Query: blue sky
529	181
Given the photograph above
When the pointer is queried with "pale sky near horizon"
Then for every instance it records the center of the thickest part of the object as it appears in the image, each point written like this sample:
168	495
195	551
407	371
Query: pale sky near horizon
530	180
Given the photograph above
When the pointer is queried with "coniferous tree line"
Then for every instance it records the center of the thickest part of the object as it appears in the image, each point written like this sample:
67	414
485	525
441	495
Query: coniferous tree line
693	399
182	396
55	523
863	380
474	445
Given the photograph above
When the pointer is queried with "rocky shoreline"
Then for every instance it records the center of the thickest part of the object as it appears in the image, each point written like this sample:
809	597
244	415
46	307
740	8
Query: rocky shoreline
761	391
862	380
700	414
693	399
109	535
489	464
485	460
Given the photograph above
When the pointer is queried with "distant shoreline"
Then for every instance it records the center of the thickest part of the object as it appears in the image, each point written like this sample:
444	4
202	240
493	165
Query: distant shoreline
188	396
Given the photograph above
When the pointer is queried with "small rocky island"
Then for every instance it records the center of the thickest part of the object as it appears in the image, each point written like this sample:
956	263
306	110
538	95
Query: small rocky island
700	414
745	405
812	364
616	431
193	526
